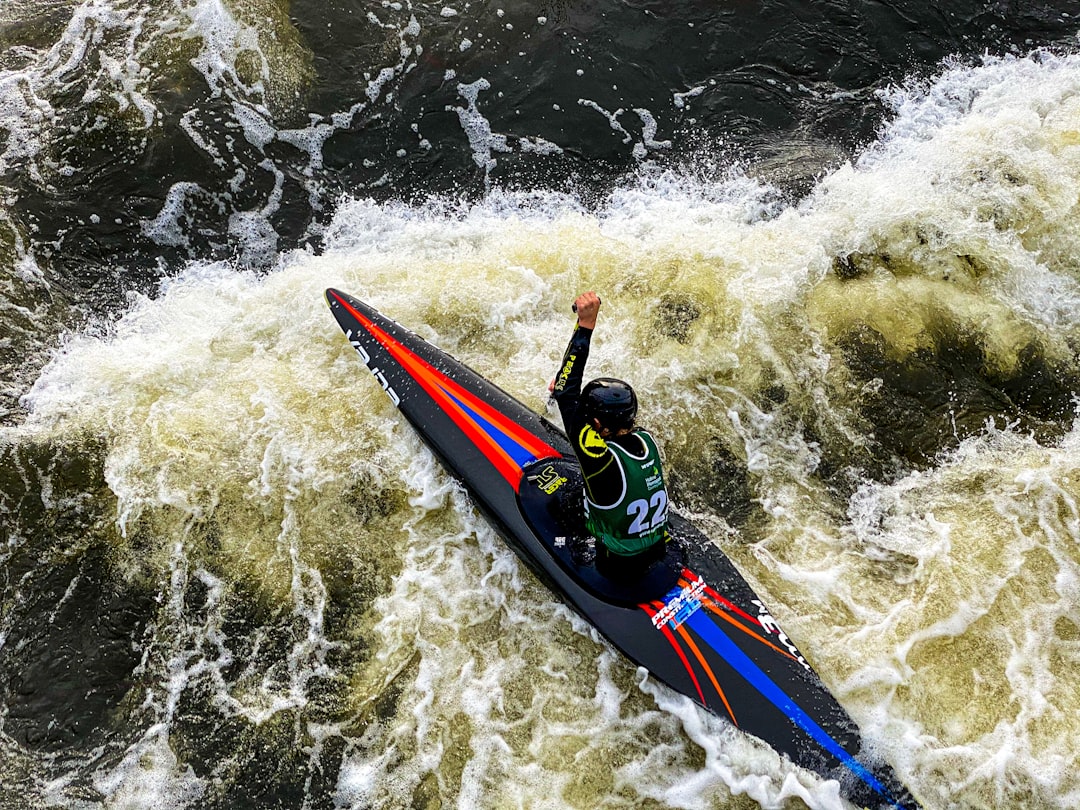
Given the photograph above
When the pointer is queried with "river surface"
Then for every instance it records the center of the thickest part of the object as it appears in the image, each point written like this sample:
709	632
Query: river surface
838	245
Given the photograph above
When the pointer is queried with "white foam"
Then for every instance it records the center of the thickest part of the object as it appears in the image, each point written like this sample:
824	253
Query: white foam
477	128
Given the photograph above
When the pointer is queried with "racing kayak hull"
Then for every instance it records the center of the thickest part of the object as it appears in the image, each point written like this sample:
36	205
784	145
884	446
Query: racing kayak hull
691	620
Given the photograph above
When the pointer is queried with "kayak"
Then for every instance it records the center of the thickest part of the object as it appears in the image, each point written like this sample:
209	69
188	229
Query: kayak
690	619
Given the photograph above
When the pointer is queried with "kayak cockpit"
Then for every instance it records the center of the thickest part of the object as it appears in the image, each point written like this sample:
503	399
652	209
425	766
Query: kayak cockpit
550	497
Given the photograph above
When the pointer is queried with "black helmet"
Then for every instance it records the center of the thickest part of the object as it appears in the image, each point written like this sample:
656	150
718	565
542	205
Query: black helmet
611	401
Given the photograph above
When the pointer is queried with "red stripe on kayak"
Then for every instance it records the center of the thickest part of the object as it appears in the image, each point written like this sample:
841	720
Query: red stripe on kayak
445	391
675	644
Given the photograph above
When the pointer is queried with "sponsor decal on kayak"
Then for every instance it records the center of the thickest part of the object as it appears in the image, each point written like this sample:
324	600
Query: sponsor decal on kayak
377	372
681	619
769	624
679	605
548	480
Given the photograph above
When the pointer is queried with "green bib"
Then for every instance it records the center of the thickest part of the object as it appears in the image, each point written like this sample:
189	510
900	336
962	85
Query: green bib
638	519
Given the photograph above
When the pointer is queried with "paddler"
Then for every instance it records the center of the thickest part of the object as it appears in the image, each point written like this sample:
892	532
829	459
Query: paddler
626	500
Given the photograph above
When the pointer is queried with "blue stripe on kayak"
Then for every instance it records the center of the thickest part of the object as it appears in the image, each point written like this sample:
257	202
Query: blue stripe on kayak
513	448
730	652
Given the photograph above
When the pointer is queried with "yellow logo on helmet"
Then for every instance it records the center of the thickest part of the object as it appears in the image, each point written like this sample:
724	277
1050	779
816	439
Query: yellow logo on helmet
591	442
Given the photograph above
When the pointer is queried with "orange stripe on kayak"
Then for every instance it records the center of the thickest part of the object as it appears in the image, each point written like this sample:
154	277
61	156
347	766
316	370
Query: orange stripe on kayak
708	670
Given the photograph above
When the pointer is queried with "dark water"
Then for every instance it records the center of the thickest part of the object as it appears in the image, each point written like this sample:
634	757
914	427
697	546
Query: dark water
252	142
210	574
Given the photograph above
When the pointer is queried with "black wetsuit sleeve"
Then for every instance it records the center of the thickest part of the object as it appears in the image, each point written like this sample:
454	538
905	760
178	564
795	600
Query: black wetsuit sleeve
603	476
567	391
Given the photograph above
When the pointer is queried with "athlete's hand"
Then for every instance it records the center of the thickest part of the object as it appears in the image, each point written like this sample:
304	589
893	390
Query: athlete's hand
587	305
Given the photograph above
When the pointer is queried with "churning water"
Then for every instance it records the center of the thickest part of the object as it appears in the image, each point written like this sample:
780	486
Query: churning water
842	270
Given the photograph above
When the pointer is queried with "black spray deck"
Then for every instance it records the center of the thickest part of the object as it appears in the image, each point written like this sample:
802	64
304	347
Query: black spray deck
691	620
